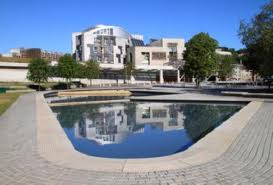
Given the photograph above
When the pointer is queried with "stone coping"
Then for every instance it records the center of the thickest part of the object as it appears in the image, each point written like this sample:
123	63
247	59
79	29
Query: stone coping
247	94
95	93
87	102
54	146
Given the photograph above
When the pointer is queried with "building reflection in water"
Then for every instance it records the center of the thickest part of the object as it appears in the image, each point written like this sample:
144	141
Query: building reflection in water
113	123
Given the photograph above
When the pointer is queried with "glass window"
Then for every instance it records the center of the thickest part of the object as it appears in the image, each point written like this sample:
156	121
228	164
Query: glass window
159	113
159	56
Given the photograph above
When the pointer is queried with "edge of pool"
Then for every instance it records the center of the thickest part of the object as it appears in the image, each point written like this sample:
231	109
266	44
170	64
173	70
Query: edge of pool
55	147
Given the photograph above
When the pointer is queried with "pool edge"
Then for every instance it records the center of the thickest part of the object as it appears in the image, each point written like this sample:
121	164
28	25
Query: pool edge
54	146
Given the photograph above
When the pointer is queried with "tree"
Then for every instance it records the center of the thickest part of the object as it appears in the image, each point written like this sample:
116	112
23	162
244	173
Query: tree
79	70
129	69
225	66
38	71
67	68
91	70
257	36
200	57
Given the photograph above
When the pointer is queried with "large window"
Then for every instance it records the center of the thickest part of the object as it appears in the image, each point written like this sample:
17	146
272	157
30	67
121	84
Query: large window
159	56
159	113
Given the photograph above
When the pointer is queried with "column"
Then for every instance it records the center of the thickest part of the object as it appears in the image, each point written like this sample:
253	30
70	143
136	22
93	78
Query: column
132	79
161	77
178	76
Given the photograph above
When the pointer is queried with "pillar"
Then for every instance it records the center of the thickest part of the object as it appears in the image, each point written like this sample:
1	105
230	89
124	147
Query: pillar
132	79
161	77
178	76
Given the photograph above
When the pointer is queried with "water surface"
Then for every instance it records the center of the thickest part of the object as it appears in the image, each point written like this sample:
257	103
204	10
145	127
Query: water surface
139	129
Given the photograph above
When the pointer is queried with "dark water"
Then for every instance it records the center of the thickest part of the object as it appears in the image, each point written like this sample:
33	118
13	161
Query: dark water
139	129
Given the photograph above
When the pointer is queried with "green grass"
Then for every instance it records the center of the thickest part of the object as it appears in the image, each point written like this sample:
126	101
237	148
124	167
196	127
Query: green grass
24	85
6	100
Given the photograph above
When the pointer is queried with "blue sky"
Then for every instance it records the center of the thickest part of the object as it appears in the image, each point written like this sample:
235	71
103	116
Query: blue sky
48	24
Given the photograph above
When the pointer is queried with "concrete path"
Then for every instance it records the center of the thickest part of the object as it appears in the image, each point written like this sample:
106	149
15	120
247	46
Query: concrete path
249	160
198	97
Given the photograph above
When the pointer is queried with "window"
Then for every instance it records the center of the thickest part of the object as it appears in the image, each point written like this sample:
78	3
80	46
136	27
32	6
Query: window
131	57
159	56
159	113
172	47
120	49
146	113
119	58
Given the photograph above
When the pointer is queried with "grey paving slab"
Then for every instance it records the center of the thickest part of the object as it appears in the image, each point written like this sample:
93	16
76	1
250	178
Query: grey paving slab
249	159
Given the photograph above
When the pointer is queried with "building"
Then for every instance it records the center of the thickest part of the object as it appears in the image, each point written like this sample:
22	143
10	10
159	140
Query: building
34	53
105	44
240	73
222	52
112	47
39	53
31	53
164	55
16	52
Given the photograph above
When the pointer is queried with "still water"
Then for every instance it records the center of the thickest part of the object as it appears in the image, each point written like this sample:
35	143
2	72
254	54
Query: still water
139	129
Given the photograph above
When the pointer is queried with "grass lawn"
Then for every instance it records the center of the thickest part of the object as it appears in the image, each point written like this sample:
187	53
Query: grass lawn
6	99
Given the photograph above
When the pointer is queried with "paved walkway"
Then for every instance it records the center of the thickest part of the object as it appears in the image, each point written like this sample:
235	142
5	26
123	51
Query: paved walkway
248	161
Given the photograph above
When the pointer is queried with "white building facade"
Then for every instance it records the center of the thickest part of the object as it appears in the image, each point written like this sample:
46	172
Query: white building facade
161	55
112	47
105	44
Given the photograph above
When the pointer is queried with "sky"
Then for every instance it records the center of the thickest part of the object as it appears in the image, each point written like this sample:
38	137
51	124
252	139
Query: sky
48	24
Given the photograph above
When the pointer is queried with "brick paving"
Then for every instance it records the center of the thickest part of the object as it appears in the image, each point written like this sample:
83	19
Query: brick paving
249	160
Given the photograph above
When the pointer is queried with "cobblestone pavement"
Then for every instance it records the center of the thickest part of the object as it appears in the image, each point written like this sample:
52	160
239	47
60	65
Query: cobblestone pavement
249	160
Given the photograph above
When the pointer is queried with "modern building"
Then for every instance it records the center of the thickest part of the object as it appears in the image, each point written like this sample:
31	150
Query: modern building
164	55
106	44
112	47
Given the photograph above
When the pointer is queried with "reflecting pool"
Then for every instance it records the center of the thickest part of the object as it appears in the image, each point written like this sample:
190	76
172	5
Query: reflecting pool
139	129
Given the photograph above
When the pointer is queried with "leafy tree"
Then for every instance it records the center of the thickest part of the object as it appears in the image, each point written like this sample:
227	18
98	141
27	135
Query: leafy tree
257	36
38	71
79	70
53	71
225	66
67	68
200	57
91	70
129	69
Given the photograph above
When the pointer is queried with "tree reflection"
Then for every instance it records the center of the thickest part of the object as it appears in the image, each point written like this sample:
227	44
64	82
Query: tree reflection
201	119
69	115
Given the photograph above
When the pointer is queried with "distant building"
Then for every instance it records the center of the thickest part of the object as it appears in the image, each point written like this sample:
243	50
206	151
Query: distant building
240	73
220	51
16	52
33	53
